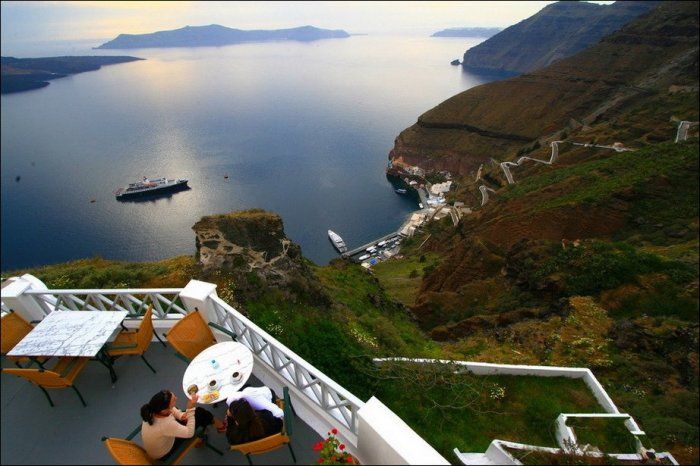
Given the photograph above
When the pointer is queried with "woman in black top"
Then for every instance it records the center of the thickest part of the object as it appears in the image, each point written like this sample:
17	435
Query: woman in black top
246	425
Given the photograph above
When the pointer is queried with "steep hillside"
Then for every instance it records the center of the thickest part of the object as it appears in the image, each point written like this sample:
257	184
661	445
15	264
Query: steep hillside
558	31
652	59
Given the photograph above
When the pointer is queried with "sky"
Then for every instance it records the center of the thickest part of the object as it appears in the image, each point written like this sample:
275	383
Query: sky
46	21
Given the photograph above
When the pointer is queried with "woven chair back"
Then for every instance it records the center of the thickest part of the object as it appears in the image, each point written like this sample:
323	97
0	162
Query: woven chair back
145	332
12	330
126	452
191	335
60	376
271	442
48	379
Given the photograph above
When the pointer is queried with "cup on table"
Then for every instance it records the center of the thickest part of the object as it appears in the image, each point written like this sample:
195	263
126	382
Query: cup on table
212	385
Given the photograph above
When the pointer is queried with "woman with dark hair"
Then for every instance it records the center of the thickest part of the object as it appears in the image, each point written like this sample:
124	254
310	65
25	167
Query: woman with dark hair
165	427
246	424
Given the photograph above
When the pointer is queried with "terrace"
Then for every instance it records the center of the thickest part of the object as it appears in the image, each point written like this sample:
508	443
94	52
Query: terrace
35	433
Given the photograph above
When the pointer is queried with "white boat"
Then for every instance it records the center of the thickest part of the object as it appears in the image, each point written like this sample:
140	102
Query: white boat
363	257
371	249
150	186
337	241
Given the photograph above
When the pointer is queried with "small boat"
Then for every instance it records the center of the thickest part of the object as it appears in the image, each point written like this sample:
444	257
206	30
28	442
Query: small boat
371	249
337	241
400	191
363	257
150	186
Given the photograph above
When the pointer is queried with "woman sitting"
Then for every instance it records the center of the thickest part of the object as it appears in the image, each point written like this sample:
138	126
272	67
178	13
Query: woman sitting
259	398
165	427
246	424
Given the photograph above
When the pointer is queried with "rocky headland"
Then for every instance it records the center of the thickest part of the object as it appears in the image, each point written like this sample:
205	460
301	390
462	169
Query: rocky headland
23	74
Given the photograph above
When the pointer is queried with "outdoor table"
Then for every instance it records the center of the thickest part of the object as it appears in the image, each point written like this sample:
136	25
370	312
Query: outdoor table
231	357
81	334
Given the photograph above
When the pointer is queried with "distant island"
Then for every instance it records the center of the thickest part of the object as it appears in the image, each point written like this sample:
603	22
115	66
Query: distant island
24	74
215	35
467	32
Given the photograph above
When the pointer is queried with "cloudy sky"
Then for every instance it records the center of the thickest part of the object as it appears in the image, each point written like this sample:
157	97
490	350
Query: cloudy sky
23	22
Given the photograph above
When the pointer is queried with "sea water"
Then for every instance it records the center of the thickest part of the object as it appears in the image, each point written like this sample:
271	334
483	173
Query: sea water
301	129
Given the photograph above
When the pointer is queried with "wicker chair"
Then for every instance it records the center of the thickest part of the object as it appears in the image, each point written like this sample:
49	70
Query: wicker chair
190	336
130	342
61	375
124	451
14	328
275	441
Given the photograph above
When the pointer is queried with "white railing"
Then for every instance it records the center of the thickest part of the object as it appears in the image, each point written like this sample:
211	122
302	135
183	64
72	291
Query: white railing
322	391
133	301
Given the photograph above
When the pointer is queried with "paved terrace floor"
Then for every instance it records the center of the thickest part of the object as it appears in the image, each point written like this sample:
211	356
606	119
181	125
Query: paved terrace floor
35	433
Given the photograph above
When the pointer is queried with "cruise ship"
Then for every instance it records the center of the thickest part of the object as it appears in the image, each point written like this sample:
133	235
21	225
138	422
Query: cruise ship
337	241
150	186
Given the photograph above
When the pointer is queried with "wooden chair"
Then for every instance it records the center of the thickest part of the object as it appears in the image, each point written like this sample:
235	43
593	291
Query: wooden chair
61	375
190	336
124	451
275	441
130	342
12	330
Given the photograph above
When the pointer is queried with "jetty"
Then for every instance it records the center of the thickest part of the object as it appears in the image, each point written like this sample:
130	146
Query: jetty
362	248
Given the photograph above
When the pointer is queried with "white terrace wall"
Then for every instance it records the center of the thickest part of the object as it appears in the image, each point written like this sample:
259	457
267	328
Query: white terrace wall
384	438
482	368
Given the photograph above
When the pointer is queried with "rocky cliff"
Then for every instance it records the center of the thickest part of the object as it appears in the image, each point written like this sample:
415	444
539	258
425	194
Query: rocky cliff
249	241
558	31
588	94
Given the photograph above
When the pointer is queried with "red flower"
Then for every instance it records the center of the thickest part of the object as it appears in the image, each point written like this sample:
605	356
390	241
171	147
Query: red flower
319	461
342	447
318	446
334	430
349	459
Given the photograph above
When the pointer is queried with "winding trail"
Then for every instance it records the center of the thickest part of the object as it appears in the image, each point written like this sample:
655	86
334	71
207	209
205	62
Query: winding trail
505	166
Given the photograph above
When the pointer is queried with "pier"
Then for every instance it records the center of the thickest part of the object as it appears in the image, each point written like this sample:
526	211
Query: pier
362	248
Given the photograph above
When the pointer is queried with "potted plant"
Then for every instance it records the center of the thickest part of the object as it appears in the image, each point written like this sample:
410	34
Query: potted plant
331	451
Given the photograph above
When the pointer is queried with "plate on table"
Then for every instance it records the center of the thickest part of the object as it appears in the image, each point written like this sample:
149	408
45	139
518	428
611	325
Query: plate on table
210	396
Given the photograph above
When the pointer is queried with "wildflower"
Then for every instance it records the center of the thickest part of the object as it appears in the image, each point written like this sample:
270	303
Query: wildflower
318	446
334	431
341	447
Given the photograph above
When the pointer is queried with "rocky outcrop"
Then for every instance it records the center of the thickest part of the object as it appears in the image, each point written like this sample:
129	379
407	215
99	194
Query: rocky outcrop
558	31
249	241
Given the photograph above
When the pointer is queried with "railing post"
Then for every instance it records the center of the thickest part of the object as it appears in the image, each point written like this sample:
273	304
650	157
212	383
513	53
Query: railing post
24	305
196	295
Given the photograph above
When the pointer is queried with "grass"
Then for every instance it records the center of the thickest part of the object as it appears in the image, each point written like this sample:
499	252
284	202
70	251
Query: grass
439	413
608	435
402	278
598	179
380	324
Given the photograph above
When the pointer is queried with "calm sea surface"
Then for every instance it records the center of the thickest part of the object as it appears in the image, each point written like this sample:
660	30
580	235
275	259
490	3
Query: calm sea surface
302	129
